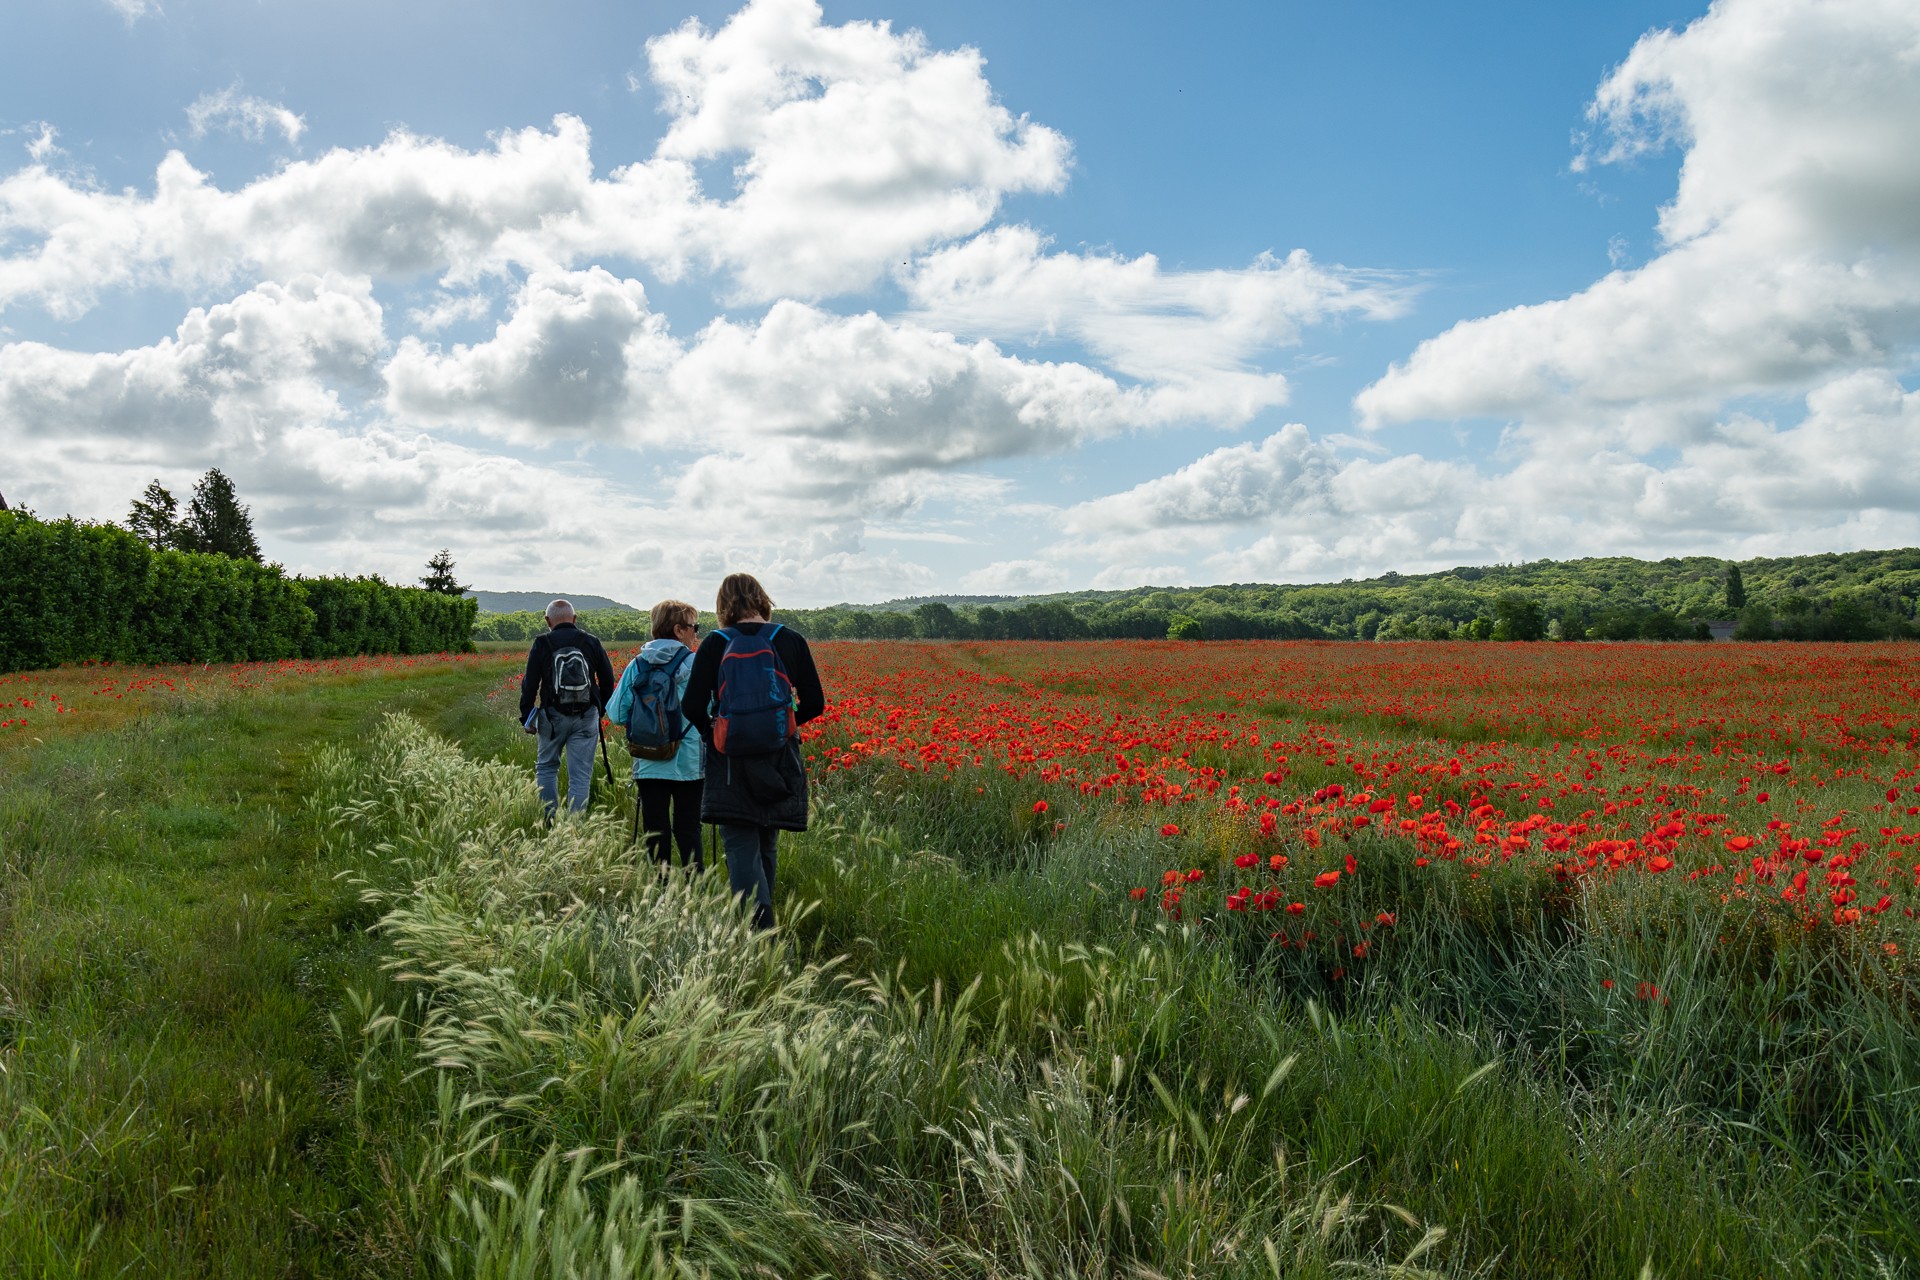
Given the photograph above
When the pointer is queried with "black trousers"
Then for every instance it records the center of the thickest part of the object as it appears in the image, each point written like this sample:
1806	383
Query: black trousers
670	814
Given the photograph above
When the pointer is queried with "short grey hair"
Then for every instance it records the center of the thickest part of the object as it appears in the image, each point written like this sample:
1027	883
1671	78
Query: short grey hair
559	611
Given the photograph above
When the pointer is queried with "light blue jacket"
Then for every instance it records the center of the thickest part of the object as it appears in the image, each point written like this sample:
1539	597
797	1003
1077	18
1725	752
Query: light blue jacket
685	765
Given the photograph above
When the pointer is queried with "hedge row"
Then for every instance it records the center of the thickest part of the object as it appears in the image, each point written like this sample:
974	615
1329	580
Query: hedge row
72	591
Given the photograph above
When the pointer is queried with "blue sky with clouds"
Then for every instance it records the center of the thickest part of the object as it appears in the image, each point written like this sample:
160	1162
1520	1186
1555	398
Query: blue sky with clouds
907	299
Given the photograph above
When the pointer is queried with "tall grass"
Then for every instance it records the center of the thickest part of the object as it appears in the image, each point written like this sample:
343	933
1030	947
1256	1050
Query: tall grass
616	1073
1707	1083
933	1070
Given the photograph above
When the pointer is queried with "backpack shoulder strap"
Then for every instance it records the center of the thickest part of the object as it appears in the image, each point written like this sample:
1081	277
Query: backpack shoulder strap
771	634
678	658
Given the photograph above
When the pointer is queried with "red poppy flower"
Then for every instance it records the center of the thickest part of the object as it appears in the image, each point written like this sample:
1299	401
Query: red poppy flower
1326	880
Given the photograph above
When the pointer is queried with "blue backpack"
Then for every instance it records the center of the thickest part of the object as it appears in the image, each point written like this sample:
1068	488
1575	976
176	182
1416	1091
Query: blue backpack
654	723
753	707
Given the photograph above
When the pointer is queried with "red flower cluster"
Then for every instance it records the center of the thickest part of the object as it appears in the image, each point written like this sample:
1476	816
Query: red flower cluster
1568	762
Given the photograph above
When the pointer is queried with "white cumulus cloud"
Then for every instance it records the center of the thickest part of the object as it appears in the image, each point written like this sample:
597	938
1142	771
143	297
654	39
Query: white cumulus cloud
570	358
271	358
1178	327
855	146
1791	247
854	415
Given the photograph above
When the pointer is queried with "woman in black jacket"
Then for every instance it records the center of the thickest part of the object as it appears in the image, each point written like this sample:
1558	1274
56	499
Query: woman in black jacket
751	795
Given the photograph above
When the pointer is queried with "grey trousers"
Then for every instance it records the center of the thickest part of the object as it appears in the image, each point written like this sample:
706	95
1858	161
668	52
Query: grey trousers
575	737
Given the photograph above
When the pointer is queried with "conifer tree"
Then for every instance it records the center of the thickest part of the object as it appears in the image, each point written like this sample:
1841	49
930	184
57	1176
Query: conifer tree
217	522
440	575
155	518
1736	589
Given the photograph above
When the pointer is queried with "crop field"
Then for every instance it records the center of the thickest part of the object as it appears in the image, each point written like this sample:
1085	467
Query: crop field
1103	959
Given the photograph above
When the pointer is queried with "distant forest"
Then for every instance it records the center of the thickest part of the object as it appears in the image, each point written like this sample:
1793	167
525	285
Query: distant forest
1855	595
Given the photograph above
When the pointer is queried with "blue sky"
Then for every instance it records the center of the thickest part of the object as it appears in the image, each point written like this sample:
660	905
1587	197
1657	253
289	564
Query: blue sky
913	299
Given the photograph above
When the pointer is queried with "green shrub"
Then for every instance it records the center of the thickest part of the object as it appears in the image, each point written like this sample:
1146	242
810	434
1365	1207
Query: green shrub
74	591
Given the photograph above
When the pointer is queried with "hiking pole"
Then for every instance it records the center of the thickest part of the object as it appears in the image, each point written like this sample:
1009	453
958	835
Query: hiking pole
602	728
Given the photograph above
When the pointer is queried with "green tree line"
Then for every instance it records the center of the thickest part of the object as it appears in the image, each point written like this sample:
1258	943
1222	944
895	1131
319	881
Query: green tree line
73	591
1858	595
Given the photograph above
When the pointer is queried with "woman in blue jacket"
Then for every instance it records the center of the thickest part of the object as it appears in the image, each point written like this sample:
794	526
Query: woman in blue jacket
669	790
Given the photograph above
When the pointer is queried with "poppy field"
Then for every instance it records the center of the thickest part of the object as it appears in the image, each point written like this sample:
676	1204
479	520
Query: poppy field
1670	889
1106	959
1780	786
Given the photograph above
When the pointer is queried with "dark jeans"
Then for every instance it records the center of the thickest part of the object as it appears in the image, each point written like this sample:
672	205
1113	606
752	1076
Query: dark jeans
670	814
750	865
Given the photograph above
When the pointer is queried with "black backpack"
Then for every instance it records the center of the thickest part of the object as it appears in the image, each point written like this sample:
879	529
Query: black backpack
572	682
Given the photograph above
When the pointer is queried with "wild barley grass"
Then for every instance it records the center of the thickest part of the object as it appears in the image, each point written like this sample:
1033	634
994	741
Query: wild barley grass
621	1070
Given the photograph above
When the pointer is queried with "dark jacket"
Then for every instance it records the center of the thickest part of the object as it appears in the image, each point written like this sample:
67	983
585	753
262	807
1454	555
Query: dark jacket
754	791
539	678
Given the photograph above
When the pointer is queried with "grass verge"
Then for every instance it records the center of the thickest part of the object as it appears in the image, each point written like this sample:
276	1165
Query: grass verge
170	950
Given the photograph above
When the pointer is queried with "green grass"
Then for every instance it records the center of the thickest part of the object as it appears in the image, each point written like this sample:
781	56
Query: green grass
170	950
291	987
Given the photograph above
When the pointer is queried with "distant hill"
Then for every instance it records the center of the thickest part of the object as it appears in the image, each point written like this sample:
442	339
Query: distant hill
537	601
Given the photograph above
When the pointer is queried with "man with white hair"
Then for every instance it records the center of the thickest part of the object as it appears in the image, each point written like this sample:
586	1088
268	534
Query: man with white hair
569	678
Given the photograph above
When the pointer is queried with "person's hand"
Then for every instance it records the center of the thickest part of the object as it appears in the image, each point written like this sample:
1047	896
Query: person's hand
532	729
